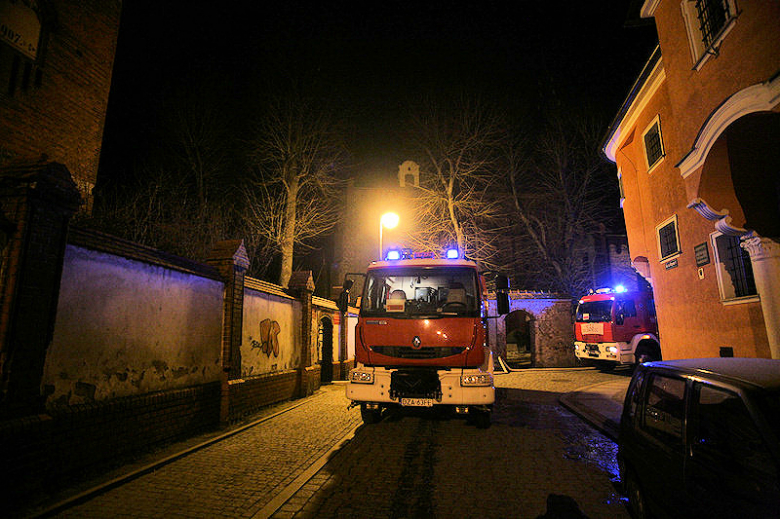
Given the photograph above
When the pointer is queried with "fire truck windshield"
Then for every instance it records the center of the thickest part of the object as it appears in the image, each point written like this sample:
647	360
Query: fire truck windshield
595	311
421	292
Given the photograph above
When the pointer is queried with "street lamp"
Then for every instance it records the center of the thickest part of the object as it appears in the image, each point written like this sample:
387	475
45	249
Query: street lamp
388	220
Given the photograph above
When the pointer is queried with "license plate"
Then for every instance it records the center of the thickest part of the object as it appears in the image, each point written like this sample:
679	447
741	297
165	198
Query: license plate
417	402
592	349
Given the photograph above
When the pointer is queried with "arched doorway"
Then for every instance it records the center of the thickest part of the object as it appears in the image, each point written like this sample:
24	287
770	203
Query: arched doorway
325	341
519	339
738	189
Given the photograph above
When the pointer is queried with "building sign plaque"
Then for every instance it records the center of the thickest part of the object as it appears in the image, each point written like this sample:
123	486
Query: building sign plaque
670	264
702	254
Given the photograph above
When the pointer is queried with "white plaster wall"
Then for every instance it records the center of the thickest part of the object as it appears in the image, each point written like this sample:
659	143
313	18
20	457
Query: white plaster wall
352	320
259	306
125	327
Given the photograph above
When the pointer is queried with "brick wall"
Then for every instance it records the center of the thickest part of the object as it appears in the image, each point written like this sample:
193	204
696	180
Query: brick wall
249	395
63	116
40	452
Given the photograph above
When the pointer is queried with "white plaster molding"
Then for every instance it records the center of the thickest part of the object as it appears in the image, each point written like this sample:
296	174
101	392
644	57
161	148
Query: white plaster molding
721	218
761	97
760	247
646	93
648	8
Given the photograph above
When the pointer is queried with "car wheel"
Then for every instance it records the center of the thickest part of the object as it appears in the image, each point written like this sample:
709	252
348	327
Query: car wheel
370	416
636	498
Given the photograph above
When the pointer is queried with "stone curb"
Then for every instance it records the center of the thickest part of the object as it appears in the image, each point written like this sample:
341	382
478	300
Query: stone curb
592	405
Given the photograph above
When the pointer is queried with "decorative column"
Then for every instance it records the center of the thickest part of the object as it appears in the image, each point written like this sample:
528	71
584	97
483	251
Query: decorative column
230	259
765	258
36	203
301	286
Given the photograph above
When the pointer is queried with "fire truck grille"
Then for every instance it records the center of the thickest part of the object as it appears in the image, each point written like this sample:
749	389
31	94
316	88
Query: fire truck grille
592	338
407	352
415	384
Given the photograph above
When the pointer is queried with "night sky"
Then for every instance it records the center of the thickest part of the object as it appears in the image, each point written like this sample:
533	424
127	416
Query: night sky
371	60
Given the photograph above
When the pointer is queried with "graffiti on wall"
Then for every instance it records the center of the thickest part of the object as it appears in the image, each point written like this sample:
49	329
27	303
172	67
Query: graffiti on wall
269	337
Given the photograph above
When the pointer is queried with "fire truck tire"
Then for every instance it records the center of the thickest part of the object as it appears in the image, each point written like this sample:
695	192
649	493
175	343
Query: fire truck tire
370	416
647	353
480	418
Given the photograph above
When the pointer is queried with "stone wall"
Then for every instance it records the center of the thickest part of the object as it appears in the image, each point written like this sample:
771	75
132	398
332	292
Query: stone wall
552	327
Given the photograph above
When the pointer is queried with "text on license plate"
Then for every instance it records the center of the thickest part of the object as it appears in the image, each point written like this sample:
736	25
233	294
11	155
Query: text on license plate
417	402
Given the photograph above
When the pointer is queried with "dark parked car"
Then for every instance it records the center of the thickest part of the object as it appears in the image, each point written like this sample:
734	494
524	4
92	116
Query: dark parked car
701	438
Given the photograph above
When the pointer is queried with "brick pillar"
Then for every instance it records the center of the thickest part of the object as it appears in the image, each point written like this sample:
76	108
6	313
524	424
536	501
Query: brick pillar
36	203
301	285
230	259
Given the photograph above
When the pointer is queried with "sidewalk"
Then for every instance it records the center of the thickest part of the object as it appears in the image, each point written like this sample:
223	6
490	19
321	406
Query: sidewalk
600	405
221	473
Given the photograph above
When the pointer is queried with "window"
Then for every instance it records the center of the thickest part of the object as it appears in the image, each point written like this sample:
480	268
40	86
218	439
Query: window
707	23
595	312
635	397
668	241
620	187
725	435
735	271
623	310
654	146
421	292
665	409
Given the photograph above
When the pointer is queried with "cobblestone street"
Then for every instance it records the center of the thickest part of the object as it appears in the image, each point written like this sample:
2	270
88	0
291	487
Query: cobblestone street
315	460
536	459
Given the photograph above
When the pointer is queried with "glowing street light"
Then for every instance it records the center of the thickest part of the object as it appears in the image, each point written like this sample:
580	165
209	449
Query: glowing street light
388	220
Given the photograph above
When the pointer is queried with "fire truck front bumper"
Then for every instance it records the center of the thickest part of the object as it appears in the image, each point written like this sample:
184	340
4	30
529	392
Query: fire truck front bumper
609	351
418	387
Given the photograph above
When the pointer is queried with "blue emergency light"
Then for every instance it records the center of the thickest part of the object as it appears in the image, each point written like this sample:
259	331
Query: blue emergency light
393	255
453	254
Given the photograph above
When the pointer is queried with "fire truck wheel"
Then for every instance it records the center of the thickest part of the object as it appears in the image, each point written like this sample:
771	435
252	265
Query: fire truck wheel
645	353
370	415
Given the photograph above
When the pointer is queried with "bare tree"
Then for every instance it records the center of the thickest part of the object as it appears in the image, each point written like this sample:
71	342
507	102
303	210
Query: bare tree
459	148
561	199
296	157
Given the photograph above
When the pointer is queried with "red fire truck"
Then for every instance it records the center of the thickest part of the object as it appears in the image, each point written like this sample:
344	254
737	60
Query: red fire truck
420	339
614	327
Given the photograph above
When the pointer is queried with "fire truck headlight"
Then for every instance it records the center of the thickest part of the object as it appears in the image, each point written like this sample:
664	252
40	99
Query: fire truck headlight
612	350
361	377
481	379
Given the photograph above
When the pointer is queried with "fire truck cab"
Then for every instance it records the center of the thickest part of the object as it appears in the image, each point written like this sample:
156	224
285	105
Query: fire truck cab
420	340
614	327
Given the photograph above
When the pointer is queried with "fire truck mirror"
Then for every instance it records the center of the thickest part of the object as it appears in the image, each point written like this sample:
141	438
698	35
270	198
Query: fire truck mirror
502	282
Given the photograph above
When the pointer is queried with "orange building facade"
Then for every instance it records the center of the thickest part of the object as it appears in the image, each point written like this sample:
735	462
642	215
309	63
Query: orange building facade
697	148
